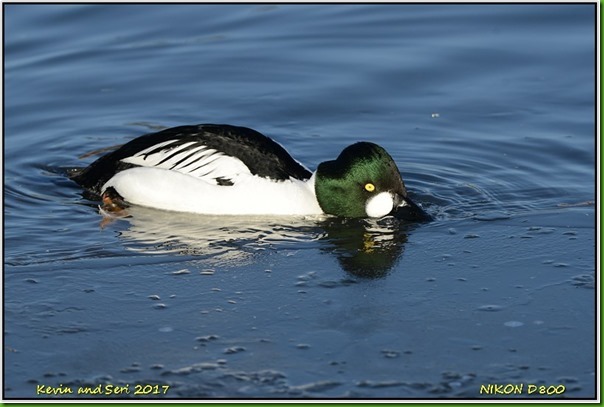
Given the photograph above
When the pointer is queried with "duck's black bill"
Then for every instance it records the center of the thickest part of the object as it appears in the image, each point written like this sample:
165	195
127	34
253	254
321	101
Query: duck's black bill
411	212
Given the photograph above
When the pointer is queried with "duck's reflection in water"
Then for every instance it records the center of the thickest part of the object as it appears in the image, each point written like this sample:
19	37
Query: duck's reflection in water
370	248
364	247
367	248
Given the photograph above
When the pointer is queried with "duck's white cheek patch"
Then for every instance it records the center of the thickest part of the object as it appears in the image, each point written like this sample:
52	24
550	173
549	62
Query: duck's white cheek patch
379	205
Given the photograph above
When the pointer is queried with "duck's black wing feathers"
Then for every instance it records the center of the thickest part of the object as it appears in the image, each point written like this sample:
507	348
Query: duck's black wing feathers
216	153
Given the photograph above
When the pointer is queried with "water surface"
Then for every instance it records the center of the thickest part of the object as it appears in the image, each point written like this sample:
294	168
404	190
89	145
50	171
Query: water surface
488	110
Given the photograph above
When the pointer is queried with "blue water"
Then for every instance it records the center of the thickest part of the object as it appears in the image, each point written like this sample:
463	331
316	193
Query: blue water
489	112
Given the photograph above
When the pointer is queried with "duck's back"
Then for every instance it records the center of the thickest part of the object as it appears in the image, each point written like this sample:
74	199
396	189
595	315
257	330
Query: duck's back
190	149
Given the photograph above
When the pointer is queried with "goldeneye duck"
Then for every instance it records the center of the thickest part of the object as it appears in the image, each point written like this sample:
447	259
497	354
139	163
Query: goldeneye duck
229	170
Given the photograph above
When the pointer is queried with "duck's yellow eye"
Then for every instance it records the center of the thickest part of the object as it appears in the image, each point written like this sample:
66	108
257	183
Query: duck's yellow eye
369	187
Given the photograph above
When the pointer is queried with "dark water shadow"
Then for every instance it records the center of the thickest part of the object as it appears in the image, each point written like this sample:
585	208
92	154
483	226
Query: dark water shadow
367	248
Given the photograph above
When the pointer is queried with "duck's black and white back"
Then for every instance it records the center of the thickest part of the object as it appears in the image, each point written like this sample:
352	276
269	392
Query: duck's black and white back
215	153
212	169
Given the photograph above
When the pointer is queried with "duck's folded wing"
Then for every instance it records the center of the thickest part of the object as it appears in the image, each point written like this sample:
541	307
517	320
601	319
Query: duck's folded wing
193	158
218	154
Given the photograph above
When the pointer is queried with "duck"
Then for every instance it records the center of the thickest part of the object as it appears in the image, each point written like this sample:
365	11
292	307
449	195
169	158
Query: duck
220	169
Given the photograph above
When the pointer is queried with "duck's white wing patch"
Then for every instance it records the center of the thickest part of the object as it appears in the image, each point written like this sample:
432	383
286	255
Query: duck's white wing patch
192	158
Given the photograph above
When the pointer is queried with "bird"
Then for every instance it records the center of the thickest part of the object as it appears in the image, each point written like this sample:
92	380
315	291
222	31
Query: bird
221	169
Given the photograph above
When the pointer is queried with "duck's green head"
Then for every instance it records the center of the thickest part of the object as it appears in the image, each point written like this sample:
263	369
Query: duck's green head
362	182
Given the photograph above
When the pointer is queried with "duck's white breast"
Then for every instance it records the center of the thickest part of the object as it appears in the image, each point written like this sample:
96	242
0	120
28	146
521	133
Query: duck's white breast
251	195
